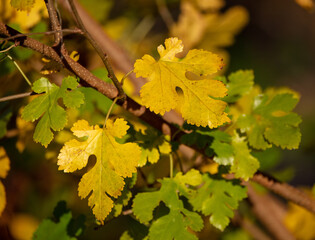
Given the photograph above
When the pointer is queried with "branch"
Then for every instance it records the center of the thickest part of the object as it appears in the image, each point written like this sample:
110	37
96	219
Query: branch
89	80
16	96
99	51
266	215
54	21
42	33
249	227
285	190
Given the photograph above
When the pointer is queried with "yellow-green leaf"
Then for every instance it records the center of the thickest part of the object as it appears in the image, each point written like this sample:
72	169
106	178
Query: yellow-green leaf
23	5
199	104
114	162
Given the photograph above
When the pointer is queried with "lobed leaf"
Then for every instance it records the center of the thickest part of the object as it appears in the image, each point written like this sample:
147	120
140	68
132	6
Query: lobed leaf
46	107
114	162
244	164
199	104
173	225
270	120
240	83
218	199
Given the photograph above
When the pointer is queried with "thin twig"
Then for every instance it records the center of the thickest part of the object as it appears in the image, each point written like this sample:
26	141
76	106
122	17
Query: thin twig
99	51
285	190
171	165
88	79
16	96
77	31
7	49
54	21
127	212
165	13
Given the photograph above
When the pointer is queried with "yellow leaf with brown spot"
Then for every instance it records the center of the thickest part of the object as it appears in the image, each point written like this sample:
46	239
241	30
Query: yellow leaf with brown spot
168	75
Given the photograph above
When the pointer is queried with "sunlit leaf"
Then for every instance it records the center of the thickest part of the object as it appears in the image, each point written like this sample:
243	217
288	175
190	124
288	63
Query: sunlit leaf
114	162
199	105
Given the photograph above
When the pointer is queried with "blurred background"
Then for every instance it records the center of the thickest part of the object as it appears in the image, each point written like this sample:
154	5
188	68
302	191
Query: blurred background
273	38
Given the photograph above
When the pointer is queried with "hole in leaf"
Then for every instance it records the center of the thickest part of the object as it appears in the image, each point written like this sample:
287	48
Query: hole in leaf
179	91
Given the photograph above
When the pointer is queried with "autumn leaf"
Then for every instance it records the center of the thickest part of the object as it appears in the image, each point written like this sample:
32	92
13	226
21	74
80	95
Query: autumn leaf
23	5
114	162
300	222
168	74
4	168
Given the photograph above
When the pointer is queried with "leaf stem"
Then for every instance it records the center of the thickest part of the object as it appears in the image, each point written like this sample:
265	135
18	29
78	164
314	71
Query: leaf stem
171	165
124	77
109	111
7	49
100	52
20	70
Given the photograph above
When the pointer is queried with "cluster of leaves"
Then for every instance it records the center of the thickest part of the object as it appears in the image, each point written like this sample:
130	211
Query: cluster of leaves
251	120
215	198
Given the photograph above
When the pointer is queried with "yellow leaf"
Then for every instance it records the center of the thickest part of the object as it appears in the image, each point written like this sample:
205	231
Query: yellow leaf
3	200
25	132
307	4
4	163
4	168
22	226
25	19
168	74
300	222
191	25
114	162
210	4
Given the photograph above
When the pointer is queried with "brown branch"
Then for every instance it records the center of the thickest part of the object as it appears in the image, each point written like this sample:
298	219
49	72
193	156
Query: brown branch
88	79
266	215
42	33
249	227
285	190
54	21
24	41
165	13
100	52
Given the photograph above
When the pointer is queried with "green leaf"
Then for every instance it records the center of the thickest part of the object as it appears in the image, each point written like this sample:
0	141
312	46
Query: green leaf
64	228
240	83
152	144
218	199
46	106
271	121
222	147
244	164
173	225
135	230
